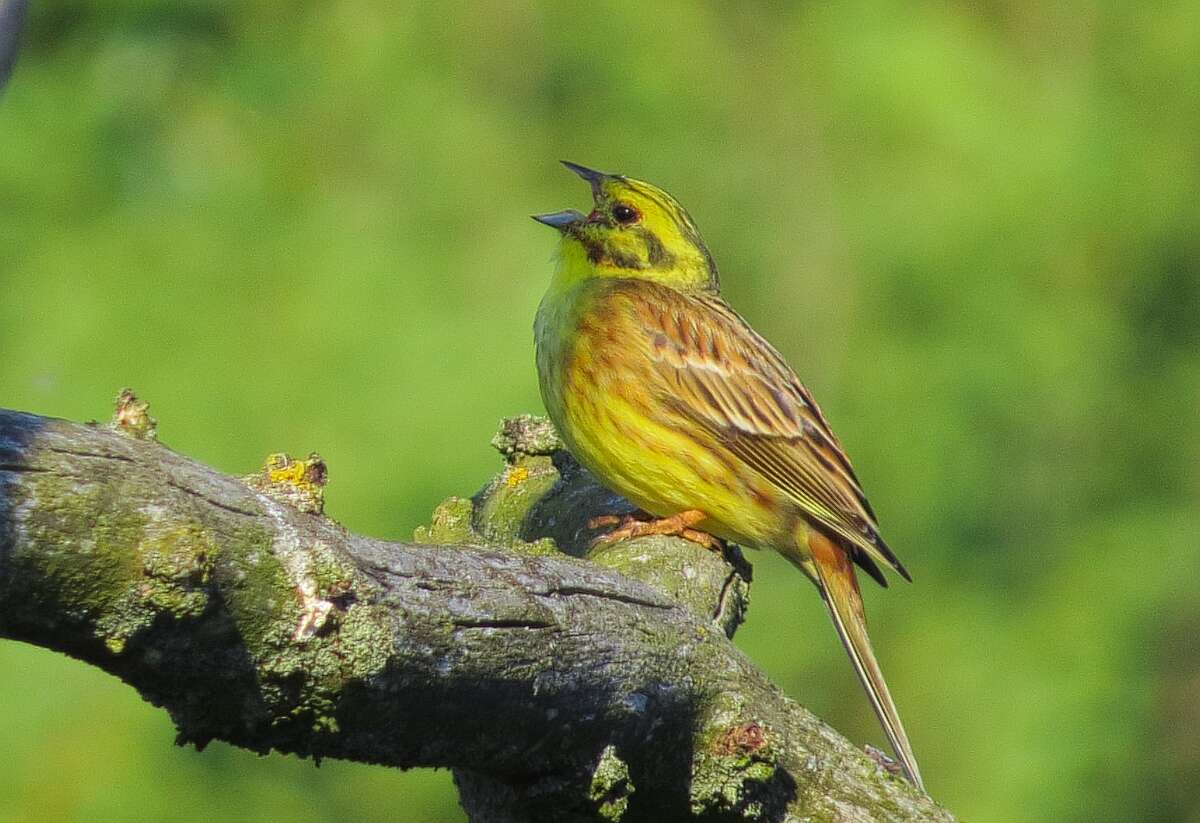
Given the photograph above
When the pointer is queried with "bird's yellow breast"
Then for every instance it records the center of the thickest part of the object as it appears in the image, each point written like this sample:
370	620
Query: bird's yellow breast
593	373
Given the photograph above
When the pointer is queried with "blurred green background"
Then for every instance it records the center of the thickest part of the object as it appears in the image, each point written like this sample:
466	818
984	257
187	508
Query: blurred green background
974	231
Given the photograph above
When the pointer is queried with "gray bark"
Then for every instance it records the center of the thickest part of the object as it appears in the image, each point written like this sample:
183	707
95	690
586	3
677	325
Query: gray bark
558	687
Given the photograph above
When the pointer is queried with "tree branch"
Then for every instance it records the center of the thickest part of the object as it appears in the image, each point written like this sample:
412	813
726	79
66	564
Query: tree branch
12	20
557	687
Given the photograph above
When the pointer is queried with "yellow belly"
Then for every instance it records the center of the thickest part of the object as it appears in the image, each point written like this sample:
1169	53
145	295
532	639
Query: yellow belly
646	455
593	384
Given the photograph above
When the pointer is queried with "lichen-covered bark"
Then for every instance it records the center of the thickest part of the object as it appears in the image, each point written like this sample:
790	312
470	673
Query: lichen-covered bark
599	686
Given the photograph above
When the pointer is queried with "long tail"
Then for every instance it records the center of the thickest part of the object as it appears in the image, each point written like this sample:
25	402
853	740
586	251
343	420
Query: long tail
839	588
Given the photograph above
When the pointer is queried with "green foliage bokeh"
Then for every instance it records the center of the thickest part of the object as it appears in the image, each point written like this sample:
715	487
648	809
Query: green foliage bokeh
975	232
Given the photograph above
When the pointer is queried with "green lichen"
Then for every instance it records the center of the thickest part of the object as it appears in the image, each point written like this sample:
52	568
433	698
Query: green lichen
178	564
108	562
699	578
736	771
450	524
332	573
542	547
502	508
257	590
654	560
526	434
302	679
611	786
306	681
730	786
496	515
93	576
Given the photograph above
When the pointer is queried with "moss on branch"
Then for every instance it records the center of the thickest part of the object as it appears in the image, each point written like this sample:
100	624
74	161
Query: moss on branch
560	681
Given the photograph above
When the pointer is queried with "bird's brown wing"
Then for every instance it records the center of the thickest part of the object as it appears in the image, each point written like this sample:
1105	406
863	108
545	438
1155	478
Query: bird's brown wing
717	371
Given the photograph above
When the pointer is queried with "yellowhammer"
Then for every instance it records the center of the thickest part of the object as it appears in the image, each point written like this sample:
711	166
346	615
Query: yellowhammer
672	400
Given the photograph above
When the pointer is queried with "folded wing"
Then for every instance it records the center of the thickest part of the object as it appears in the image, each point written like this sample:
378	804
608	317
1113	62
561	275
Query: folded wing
711	367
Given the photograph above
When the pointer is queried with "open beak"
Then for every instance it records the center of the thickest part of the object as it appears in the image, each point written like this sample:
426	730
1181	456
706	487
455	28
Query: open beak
561	220
564	220
594	178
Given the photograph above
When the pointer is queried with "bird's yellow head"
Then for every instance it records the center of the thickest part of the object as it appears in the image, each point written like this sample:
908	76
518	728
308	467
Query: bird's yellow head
634	230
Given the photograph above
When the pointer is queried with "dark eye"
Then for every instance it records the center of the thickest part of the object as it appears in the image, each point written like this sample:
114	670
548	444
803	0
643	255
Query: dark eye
625	214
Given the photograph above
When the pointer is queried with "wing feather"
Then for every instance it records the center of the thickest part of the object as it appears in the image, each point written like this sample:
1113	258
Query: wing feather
715	370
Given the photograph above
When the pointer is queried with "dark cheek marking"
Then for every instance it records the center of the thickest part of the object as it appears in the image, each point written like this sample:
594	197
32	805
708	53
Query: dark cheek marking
624	261
656	253
600	252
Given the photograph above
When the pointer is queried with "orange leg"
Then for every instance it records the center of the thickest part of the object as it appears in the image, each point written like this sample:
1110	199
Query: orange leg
678	525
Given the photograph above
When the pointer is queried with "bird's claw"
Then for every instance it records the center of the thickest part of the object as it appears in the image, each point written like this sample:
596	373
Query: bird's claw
678	525
708	541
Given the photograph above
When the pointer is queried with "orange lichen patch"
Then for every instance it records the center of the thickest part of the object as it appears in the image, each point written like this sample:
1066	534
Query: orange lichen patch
516	476
298	483
744	738
132	416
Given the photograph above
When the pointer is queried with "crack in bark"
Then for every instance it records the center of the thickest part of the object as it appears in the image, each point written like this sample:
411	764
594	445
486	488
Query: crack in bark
619	597
724	594
220	504
96	455
504	623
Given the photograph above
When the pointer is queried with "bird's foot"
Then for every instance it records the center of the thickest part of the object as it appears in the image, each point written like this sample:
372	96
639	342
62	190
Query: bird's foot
677	525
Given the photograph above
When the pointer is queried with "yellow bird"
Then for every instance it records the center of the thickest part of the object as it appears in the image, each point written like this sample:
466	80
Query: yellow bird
668	396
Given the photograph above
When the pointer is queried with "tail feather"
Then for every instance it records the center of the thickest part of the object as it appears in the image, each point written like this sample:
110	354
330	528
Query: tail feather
839	589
